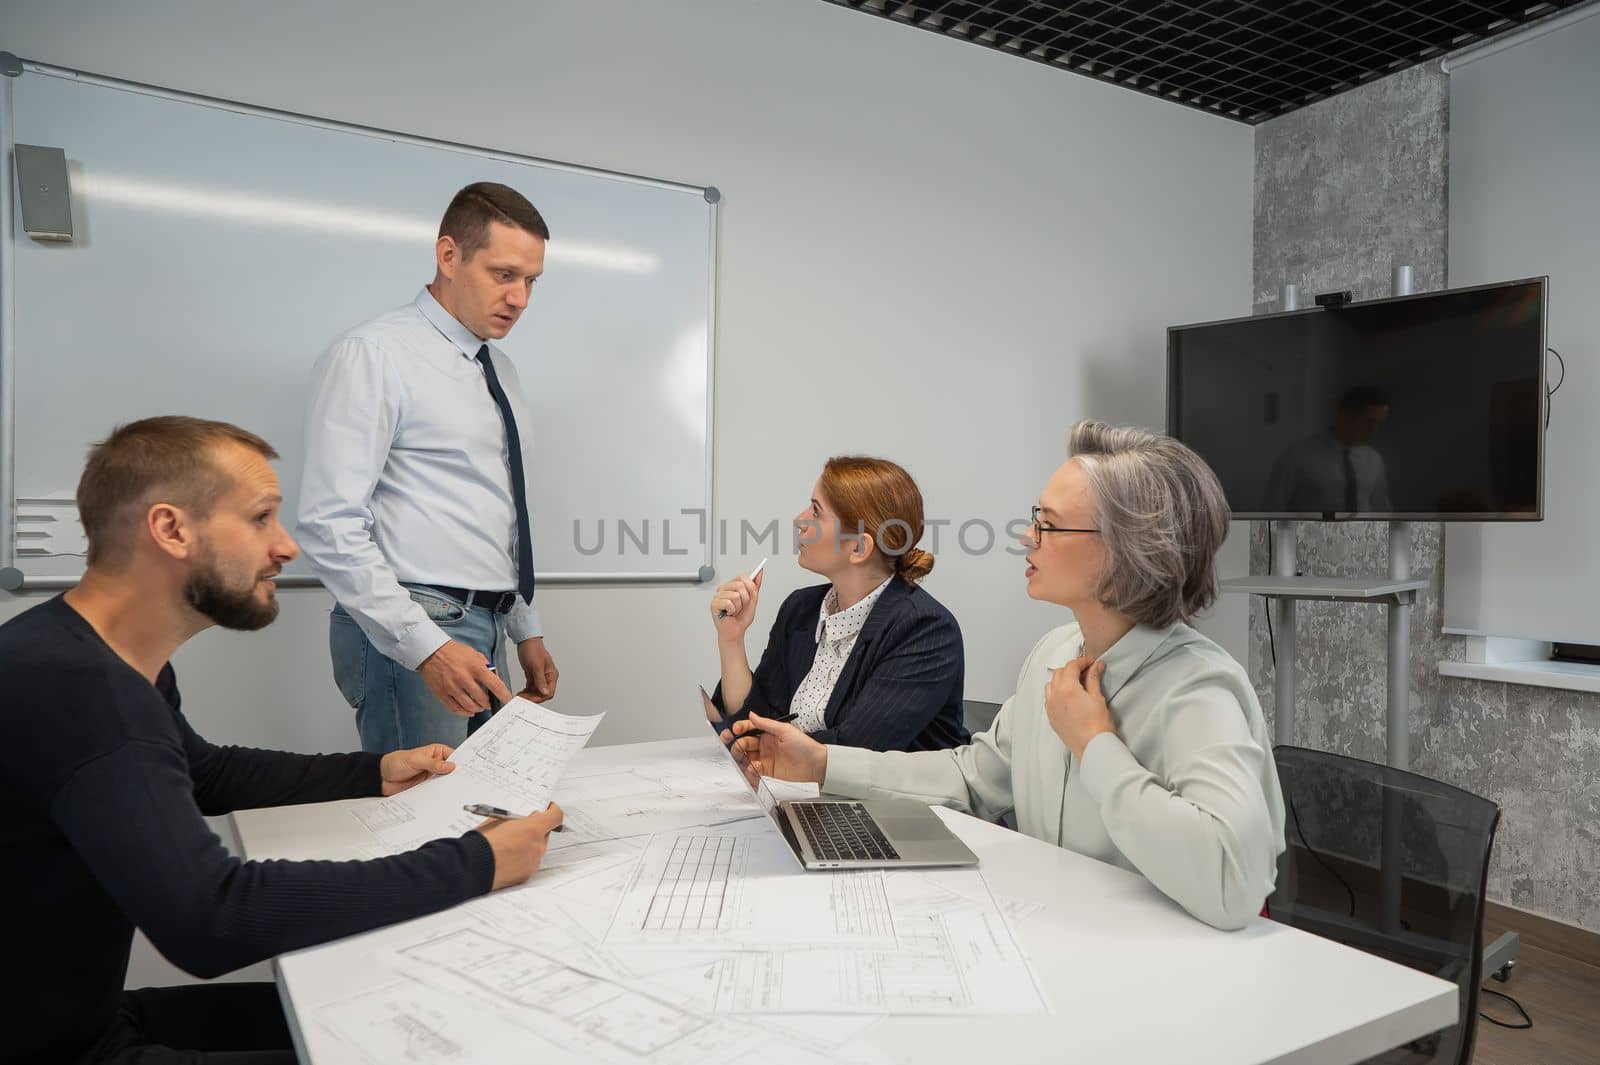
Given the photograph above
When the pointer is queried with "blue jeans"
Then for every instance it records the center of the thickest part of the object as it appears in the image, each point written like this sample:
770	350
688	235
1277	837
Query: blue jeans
394	708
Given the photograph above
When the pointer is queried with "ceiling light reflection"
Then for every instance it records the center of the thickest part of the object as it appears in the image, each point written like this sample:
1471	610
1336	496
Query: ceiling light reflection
329	218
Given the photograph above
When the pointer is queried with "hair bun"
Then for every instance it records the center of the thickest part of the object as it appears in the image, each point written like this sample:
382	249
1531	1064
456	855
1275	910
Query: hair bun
914	565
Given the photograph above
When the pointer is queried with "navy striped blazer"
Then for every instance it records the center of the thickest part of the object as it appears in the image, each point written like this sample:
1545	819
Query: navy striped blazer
901	686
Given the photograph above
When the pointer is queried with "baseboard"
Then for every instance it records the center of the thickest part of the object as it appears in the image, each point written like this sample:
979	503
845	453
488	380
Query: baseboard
1546	933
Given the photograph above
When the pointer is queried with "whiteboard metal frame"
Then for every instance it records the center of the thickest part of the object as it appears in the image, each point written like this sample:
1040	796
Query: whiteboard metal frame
14	580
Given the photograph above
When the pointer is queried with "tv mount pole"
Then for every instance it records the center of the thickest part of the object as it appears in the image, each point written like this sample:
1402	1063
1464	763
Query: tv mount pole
1285	538
1398	712
1398	717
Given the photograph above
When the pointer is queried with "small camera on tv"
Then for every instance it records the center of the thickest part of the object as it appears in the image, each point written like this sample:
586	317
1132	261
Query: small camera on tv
1333	299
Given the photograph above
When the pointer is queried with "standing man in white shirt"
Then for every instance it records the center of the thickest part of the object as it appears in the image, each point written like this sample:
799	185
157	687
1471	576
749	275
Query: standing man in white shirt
414	503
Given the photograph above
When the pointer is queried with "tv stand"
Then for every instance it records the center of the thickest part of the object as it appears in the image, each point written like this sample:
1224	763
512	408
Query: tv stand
1283	588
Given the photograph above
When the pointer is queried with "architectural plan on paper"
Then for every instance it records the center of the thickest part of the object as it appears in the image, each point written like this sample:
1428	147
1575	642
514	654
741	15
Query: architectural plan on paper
513	762
964	964
744	891
704	943
406	1021
565	909
956	955
574	1016
698	788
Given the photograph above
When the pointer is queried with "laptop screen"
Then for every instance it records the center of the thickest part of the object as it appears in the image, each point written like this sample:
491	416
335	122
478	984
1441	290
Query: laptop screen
757	785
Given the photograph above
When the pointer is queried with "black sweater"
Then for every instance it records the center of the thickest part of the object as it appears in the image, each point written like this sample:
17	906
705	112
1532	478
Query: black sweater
103	787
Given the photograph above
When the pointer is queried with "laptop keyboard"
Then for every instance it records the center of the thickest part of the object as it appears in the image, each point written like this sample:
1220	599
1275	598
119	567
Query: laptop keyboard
842	831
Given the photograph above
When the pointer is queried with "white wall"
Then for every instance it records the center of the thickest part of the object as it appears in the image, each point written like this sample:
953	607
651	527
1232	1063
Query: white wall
1524	152
929	251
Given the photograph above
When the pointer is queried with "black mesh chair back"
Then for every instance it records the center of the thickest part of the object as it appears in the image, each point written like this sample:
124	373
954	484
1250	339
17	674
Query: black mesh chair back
1394	864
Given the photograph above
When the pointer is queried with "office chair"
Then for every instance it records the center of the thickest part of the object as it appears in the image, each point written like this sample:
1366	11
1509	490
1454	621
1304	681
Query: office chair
1394	864
978	715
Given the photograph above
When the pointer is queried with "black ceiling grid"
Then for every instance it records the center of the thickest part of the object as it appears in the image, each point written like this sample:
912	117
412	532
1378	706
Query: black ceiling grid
1248	60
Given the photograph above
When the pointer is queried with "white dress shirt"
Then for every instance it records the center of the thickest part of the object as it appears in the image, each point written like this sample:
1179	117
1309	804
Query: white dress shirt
836	637
1185	791
406	475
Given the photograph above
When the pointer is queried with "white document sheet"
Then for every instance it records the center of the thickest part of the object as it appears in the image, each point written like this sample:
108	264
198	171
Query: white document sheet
574	1016
563	912
407	1021
512	762
742	889
956	955
699	788
962	965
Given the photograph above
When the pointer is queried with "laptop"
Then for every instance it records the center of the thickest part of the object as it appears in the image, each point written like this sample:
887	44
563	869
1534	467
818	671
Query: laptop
850	833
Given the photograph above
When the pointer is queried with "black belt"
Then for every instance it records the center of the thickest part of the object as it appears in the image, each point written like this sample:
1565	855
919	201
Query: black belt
499	602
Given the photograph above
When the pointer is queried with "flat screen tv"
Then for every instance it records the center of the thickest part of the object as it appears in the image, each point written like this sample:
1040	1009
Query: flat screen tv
1425	407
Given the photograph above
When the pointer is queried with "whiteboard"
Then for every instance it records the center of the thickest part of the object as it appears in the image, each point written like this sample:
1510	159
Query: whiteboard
1524	152
219	249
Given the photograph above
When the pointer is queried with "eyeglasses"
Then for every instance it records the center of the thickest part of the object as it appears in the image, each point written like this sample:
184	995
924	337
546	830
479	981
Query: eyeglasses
1040	528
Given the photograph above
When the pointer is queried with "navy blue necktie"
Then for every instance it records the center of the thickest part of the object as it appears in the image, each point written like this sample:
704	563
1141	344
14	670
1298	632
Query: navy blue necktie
519	487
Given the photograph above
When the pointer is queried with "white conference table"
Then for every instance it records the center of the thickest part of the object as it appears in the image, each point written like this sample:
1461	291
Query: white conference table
1130	976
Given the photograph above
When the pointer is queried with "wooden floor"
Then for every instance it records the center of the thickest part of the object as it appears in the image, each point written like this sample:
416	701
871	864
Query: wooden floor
1561	994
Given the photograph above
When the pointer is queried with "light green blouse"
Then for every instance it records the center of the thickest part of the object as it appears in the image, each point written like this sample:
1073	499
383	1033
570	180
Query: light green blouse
1186	793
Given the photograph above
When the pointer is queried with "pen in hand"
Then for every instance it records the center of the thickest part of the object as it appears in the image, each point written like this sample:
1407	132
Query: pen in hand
483	809
782	719
494	704
753	575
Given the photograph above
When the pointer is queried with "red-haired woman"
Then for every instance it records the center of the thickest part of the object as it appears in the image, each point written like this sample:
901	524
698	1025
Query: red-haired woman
868	659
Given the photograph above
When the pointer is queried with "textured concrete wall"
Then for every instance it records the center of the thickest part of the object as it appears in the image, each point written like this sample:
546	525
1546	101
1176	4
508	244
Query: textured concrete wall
1344	190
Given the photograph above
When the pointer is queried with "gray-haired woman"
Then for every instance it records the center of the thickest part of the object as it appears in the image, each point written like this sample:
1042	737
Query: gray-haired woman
1131	737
